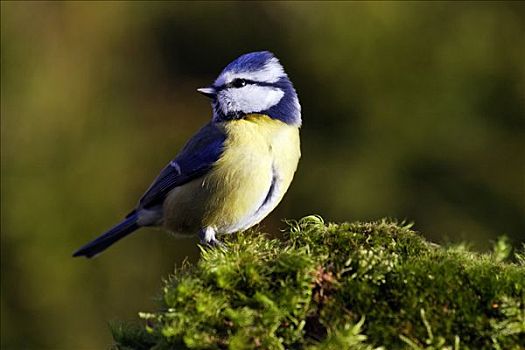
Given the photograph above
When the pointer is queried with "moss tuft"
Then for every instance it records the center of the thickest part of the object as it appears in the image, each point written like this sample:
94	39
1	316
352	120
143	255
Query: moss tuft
339	286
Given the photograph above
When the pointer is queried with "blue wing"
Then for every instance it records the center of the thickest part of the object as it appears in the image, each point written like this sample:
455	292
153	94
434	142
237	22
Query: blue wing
195	159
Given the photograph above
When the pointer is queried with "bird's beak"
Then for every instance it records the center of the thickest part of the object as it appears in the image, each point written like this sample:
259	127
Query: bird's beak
208	91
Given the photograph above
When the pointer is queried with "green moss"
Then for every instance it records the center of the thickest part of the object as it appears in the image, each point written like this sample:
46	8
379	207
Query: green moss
339	286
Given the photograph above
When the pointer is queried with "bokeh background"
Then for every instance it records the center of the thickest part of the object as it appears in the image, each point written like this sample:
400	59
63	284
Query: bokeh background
413	111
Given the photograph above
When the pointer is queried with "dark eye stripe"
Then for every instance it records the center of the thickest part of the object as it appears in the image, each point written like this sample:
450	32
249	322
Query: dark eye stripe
247	82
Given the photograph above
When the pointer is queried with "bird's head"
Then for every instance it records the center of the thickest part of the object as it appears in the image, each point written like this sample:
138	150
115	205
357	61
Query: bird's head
254	83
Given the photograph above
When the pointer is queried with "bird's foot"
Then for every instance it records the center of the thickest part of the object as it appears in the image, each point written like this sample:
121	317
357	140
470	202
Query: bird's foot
207	238
215	244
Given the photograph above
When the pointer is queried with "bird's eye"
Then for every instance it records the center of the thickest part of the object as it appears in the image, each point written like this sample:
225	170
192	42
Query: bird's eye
238	83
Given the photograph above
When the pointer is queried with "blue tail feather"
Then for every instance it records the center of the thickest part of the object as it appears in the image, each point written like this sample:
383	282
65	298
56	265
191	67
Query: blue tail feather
105	240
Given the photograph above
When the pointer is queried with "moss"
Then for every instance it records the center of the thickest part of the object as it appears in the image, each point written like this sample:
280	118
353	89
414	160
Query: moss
339	286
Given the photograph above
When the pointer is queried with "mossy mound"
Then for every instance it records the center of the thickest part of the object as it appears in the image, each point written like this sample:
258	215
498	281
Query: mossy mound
339	286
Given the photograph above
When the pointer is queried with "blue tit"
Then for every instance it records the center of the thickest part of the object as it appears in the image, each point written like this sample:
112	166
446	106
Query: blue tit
236	169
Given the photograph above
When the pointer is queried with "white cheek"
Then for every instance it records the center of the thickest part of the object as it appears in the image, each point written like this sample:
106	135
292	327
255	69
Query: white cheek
249	99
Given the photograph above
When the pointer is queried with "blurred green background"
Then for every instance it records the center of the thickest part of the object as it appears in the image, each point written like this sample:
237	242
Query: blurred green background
411	110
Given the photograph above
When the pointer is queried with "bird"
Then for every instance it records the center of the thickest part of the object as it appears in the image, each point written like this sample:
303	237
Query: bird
235	170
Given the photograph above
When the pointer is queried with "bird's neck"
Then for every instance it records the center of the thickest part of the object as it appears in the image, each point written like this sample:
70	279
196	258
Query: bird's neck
287	110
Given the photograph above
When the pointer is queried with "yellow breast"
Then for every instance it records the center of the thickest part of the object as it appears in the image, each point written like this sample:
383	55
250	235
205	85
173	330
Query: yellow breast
248	181
261	155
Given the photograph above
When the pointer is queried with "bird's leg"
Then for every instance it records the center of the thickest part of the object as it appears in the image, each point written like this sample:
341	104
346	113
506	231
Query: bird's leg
207	237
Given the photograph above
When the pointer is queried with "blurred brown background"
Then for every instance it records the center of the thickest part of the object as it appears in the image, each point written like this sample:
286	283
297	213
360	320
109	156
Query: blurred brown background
411	110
